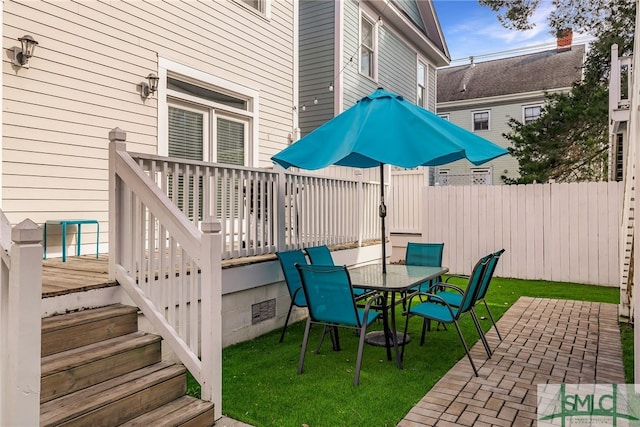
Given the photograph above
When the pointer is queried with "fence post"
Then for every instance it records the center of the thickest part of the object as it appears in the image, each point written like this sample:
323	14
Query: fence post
211	314
117	138
281	210
21	394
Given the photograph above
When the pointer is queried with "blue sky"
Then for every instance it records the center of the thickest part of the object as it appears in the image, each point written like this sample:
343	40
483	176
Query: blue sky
474	30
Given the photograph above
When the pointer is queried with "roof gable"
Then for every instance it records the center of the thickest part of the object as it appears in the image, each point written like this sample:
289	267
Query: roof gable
416	20
541	71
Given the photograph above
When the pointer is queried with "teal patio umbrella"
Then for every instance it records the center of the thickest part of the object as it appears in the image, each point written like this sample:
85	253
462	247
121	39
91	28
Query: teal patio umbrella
383	128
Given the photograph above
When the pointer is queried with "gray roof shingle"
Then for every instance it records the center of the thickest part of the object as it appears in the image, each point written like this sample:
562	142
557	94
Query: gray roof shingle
526	73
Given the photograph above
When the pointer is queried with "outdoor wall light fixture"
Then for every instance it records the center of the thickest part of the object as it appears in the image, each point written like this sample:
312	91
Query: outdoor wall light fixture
148	89
22	54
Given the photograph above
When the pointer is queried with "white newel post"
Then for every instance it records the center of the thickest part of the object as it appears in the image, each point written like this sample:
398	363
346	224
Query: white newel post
117	138
211	317
21	399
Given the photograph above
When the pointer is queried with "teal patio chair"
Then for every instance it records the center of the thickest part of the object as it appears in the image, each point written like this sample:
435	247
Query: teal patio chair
288	261
321	255
331	302
435	308
454	298
426	254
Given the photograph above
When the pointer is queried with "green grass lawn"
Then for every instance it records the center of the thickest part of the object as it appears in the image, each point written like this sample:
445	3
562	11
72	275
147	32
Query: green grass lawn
261	386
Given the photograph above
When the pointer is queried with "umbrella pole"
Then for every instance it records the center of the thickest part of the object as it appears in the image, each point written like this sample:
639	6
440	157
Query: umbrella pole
383	214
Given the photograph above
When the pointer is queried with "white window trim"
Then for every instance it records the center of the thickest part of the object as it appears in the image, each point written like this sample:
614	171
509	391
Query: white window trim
524	107
374	21
445	116
168	67
425	64
473	123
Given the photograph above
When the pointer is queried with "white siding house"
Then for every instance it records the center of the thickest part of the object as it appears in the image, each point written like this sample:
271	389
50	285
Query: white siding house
227	84
482	97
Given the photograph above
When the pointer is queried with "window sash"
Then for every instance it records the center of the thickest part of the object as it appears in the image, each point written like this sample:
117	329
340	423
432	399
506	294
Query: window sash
256	4
531	114
481	121
421	80
367	46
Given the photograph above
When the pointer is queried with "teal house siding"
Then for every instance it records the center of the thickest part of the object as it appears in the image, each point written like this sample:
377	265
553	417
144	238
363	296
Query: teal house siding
329	51
316	64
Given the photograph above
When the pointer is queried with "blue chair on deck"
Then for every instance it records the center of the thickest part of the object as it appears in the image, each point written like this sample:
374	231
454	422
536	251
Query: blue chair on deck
454	298
321	255
288	261
435	308
331	302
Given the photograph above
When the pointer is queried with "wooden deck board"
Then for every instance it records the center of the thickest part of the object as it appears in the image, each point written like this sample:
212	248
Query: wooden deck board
76	275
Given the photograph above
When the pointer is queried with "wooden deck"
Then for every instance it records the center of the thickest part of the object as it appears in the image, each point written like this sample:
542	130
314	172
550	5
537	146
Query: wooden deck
78	274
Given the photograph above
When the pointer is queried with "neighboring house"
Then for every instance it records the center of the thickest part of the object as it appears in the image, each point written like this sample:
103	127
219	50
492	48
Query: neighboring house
227	84
483	96
349	48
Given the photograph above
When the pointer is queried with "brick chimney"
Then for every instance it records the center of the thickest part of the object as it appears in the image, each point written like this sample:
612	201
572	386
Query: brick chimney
565	38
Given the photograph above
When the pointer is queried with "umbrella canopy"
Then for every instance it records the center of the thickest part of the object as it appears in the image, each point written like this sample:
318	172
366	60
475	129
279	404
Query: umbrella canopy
384	128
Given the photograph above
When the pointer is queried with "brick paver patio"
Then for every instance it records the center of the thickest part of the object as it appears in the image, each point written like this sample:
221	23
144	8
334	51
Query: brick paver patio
545	341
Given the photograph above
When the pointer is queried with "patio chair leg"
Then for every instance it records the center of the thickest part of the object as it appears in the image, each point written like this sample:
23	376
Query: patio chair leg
466	347
426	326
324	333
304	345
284	328
485	343
406	326
356	380
335	338
492	319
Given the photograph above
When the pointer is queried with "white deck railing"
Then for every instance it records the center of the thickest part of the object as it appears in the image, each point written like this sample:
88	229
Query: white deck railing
262	211
169	268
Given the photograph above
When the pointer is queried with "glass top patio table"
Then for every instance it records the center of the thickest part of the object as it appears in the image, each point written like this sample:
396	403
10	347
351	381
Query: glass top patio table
399	278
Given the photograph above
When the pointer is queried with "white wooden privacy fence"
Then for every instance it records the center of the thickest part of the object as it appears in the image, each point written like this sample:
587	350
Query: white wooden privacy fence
558	232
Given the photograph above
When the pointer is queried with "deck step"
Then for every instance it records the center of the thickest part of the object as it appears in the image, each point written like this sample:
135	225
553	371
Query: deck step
73	330
117	400
78	368
186	411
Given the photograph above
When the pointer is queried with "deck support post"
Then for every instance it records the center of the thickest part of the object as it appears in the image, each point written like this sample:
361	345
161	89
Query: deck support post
21	328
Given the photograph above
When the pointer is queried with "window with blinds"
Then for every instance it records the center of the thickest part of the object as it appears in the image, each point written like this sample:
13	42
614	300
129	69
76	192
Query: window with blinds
186	134
230	141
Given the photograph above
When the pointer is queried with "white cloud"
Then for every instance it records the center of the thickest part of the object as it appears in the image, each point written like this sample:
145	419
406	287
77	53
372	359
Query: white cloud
480	33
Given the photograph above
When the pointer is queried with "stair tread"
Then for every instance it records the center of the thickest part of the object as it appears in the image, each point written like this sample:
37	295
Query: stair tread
62	321
71	358
94	397
173	413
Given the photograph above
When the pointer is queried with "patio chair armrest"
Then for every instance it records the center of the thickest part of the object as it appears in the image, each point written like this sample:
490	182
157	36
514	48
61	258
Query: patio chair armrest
295	293
456	276
367	307
417	294
450	286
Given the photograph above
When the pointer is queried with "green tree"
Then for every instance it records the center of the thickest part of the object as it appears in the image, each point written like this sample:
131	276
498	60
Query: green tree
570	140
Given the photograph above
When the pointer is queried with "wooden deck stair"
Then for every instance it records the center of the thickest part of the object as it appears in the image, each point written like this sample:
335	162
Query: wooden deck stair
99	370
